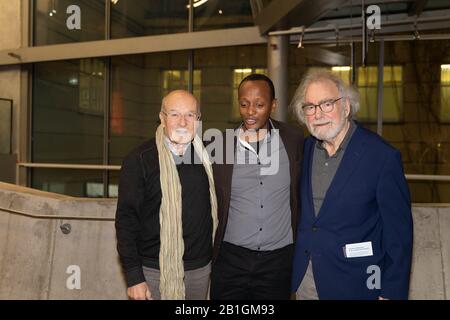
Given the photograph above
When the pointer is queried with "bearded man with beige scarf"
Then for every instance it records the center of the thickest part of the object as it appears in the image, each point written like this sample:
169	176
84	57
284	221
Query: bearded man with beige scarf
167	211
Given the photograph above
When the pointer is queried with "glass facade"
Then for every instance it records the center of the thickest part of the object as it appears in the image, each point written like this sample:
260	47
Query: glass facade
68	111
217	14
133	18
218	67
68	123
68	21
139	83
94	111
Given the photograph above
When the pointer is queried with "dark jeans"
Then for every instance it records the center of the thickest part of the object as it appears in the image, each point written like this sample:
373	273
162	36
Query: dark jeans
242	274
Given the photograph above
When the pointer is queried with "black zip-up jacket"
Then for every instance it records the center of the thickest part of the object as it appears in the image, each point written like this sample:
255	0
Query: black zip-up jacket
137	216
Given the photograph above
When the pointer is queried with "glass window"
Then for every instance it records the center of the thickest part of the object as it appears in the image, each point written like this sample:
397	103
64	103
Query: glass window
344	72
445	93
5	126
220	80
179	79
139	83
392	93
67	21
216	14
76	183
113	187
133	18
68	99
91	84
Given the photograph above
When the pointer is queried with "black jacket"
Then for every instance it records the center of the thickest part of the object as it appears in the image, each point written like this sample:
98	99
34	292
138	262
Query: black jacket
292	138
137	217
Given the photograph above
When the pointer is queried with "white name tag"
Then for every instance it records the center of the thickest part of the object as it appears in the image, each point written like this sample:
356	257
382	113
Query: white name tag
355	250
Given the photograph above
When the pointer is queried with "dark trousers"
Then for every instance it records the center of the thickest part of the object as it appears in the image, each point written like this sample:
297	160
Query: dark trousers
242	274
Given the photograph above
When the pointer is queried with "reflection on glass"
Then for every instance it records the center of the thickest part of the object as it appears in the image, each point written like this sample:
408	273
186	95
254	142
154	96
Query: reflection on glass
416	110
343	72
392	93
216	14
113	187
139	83
76	183
68	101
133	18
219	80
5	126
67	21
445	93
179	79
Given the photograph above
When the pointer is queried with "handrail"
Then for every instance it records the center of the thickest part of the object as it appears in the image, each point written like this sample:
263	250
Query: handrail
423	177
427	177
68	166
55	217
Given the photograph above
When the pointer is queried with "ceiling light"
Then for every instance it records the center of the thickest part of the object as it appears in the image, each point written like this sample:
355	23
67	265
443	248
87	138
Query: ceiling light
197	3
247	70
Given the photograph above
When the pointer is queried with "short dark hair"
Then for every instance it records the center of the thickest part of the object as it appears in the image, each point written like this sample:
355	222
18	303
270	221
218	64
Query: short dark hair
260	77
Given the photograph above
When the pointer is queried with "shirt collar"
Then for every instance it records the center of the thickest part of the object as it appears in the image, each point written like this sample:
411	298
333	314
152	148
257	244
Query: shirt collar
245	145
172	149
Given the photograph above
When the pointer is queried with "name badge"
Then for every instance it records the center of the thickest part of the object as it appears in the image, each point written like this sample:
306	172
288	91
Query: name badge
361	249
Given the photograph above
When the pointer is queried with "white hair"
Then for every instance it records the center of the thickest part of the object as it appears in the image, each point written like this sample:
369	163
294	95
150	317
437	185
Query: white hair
346	92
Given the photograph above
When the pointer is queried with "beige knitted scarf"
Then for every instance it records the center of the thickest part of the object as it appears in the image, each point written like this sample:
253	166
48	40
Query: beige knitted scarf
172	244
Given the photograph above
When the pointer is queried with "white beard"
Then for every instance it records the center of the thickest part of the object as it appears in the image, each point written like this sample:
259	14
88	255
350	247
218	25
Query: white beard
329	134
181	136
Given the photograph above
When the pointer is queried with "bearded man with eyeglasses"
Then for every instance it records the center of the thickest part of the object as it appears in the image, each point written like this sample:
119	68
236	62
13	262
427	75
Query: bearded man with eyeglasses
355	233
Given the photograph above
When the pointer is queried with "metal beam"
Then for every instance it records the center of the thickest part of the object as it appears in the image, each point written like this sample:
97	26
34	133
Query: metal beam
282	14
397	24
148	44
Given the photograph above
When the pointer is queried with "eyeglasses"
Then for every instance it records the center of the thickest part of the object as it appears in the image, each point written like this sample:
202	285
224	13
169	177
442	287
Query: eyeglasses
176	116
326	106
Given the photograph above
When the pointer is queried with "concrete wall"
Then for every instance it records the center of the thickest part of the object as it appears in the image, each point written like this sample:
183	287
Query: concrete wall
10	38
35	254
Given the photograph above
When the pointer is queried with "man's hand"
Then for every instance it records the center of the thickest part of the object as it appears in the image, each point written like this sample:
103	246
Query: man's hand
381	298
140	292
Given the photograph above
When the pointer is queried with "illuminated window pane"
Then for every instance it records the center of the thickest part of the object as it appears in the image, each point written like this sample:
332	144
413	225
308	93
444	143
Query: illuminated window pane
179	79
445	93
91	83
343	72
392	93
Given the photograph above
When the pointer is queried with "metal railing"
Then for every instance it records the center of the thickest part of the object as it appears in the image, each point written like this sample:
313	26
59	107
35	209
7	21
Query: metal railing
68	166
419	177
423	177
55	217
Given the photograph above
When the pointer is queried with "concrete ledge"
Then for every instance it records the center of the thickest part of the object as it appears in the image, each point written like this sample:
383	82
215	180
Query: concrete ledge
35	254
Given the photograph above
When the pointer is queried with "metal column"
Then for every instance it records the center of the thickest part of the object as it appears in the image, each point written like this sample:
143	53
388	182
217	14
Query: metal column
380	89
277	60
